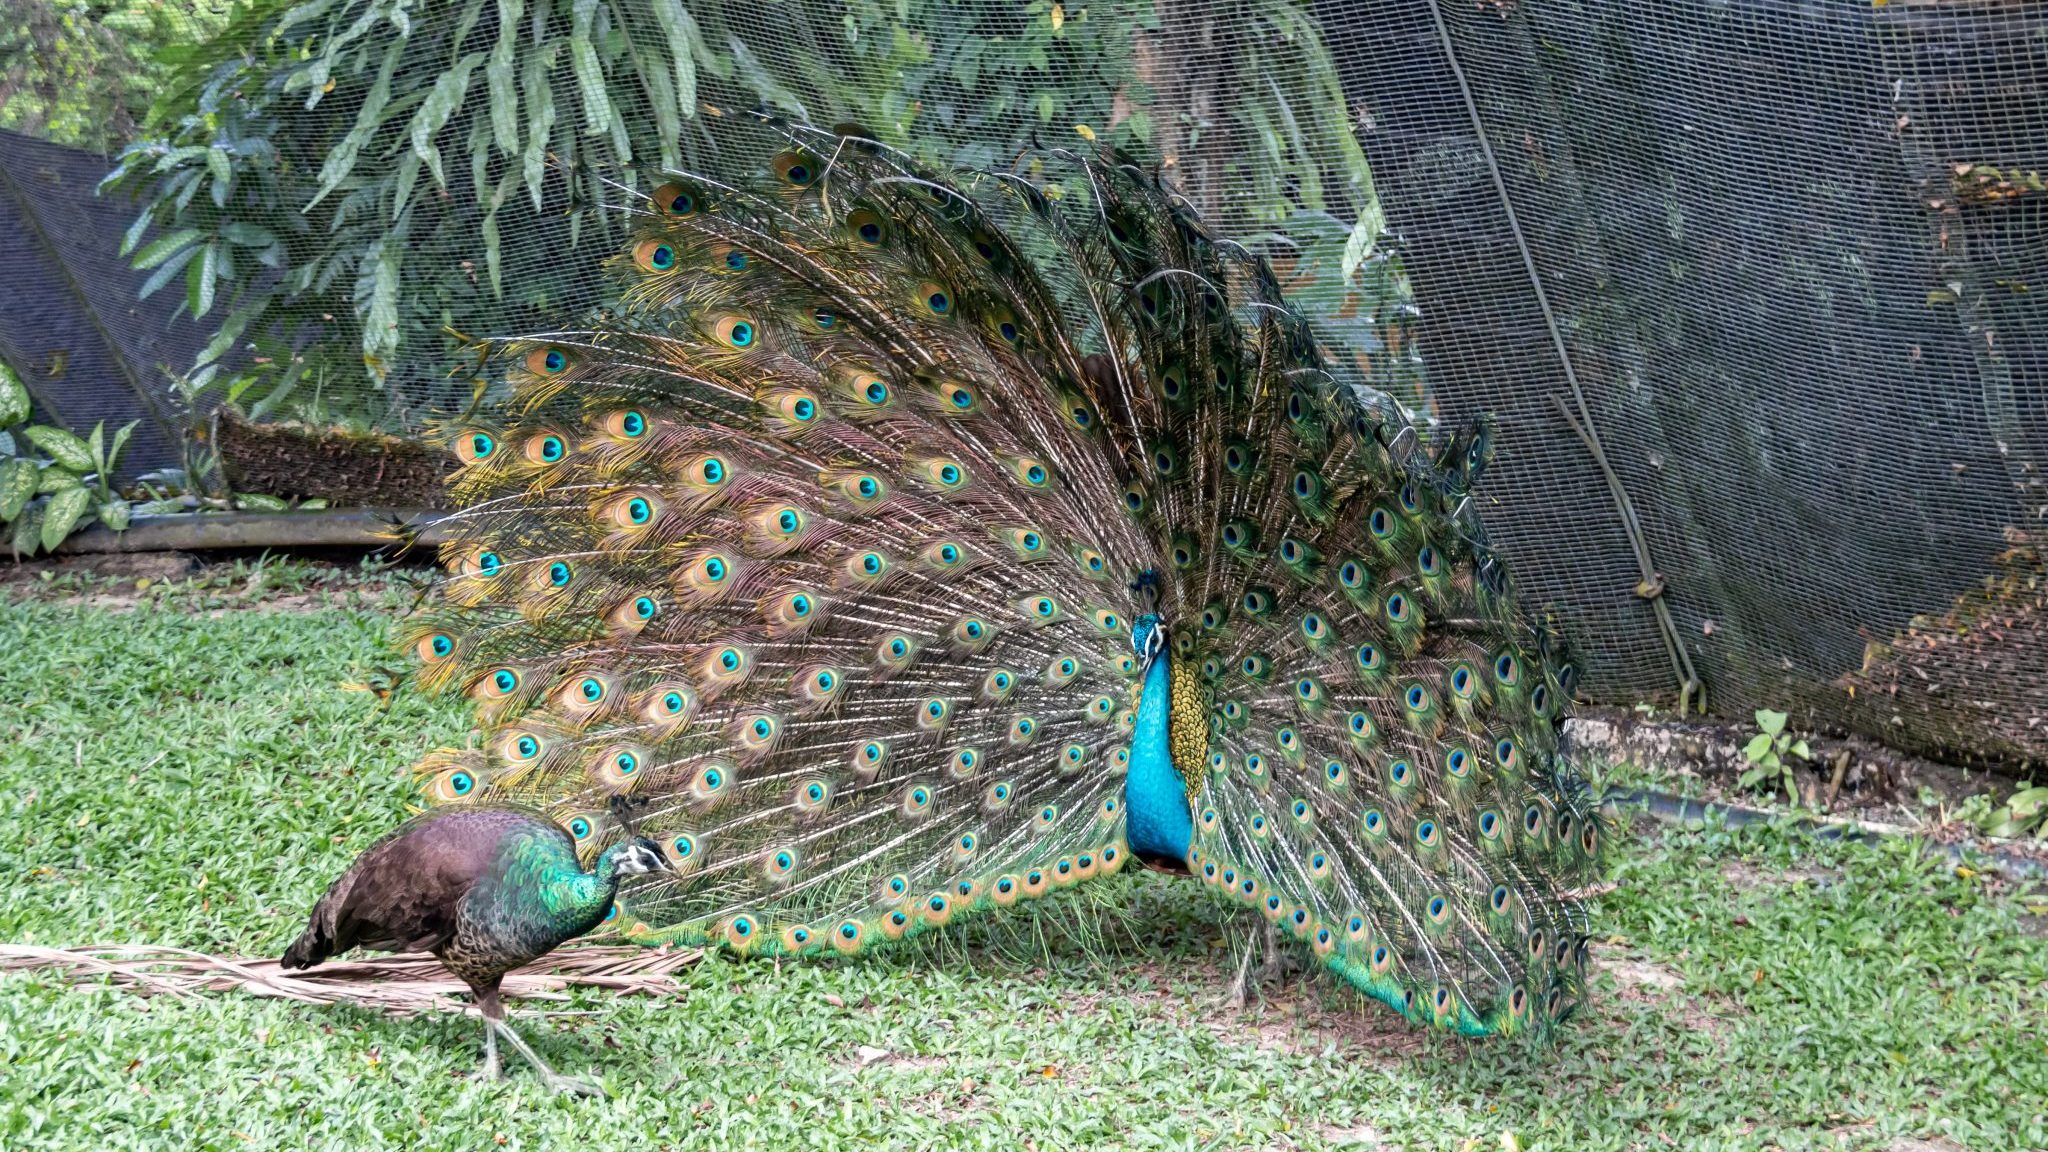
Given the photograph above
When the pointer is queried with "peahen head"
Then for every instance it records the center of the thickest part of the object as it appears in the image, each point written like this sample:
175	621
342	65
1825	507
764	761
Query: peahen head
636	857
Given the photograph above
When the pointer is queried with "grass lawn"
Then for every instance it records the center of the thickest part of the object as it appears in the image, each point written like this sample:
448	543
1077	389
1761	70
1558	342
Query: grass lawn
189	769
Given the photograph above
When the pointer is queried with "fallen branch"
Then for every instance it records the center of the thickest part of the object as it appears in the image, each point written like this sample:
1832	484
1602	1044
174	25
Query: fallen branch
403	984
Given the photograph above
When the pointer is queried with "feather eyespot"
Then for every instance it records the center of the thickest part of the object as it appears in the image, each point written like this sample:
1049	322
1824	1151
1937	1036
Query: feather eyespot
935	298
868	227
547	361
736	332
796	169
547	448
655	256
917	800
675	200
435	648
946	475
498	683
626	424
958	399
475	447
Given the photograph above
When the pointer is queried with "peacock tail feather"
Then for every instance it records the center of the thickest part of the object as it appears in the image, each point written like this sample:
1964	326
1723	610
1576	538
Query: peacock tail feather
835	542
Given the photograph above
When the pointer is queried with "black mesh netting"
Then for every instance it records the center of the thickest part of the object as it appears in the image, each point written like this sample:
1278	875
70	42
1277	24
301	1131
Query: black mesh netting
1785	252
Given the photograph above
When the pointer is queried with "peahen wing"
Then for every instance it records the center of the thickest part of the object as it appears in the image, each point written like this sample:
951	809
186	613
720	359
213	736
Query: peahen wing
811	544
1378	771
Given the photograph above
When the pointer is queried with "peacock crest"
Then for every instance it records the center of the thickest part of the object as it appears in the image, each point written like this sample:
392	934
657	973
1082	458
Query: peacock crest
908	546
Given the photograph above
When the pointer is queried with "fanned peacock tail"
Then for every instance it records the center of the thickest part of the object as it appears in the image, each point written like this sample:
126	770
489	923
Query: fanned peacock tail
828	541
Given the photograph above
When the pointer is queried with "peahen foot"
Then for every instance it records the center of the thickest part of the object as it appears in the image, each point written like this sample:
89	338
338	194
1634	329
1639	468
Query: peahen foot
554	1080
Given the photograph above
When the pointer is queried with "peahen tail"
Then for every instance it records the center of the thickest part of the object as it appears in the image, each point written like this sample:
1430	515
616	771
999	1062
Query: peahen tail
839	541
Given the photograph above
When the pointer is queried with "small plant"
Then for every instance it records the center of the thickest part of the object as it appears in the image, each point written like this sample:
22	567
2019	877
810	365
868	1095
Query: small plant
2025	814
45	498
1770	752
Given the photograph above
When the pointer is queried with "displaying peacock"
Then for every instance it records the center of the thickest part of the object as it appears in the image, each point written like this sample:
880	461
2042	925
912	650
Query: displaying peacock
909	547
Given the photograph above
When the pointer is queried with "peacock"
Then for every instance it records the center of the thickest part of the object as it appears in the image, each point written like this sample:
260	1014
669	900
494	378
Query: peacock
485	889
911	545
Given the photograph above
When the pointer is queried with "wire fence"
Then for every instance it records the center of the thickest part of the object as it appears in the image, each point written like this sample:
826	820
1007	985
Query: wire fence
1747	282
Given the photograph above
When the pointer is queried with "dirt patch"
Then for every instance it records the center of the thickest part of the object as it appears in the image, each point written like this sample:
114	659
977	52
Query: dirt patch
1743	876
1361	1136
1645	983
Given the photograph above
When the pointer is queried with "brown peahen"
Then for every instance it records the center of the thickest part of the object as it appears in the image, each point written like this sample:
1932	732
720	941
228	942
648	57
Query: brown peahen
913	546
485	889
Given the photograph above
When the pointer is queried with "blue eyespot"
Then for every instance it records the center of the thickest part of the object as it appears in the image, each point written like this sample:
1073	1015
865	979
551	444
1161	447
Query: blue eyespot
803	409
714	569
643	607
627	763
552	449
461	783
558	574
592	689
638	510
672	703
481	445
505	680
526	747
713	470
633	423
442	645
736	261
741	334
489	563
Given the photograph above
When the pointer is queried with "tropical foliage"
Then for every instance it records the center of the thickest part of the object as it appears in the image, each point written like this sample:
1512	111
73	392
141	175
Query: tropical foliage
344	186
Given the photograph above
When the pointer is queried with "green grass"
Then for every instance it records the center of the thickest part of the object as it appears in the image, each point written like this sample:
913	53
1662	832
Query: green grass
192	777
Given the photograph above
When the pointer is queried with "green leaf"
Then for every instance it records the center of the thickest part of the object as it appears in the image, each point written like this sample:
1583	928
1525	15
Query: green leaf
1759	746
258	502
441	103
18	479
597	105
164	247
1750	777
97	445
120	441
681	30
1769	721
1802	751
114	514
199	281
248	235
28	531
60	446
56	479
498	78
14	398
62	514
341	159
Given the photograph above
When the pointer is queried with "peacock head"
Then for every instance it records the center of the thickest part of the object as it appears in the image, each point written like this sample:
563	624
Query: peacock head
637	856
1148	638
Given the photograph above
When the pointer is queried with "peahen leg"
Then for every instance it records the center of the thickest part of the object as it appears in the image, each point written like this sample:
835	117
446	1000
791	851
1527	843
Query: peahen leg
494	1020
491	1069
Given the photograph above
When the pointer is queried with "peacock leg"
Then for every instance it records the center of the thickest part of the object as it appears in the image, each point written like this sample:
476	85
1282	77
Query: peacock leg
1234	999
1269	969
494	1017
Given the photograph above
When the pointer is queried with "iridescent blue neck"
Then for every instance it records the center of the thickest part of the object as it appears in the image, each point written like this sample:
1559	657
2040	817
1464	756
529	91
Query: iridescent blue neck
1157	820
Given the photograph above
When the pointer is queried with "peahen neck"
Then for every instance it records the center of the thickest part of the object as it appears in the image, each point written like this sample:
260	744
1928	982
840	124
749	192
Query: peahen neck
542	889
1157	821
